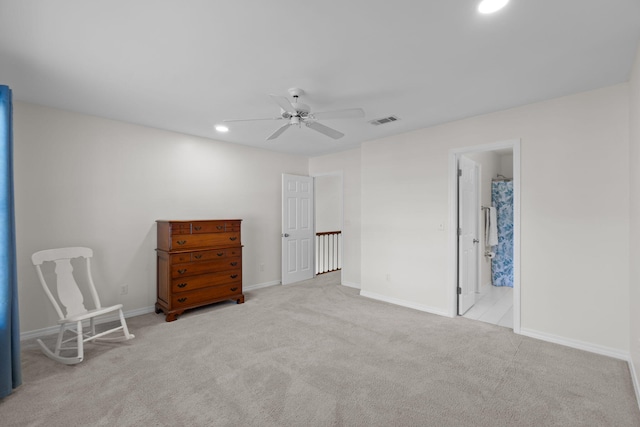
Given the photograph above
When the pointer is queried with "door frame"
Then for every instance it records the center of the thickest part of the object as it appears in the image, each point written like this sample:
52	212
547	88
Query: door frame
454	155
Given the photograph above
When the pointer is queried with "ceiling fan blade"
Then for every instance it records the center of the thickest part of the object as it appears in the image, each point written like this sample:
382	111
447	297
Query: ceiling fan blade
351	113
332	133
285	104
251	120
279	131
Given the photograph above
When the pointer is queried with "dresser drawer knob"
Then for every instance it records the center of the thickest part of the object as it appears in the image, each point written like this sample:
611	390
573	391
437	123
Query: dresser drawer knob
220	253
182	299
181	242
233	276
233	264
198	256
197	228
182	271
182	285
234	289
220	227
233	238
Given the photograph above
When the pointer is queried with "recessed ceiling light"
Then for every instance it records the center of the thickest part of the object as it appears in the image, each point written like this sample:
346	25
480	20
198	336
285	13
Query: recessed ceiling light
222	128
491	6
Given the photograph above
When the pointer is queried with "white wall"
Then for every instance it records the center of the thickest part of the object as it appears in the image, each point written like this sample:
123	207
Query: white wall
86	181
348	164
634	284
490	167
575	214
506	165
328	203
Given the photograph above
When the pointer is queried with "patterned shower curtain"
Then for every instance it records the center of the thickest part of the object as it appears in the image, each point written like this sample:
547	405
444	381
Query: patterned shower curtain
502	263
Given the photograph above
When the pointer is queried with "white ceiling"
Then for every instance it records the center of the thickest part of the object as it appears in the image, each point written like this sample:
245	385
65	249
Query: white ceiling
187	65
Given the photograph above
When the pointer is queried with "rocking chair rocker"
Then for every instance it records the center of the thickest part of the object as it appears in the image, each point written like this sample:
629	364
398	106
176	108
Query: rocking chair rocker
70	297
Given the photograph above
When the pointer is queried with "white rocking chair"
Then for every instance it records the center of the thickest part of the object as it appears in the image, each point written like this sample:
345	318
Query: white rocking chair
71	299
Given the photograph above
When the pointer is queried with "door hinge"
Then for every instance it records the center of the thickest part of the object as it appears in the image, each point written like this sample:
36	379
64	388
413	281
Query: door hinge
459	231
459	172
459	290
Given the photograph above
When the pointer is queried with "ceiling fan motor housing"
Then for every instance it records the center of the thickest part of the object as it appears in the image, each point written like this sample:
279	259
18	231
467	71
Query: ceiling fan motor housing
302	110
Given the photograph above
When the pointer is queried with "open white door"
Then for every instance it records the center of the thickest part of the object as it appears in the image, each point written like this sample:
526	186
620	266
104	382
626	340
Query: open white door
297	228
468	212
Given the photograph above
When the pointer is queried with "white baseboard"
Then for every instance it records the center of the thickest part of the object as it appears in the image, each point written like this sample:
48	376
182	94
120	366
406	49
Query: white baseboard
580	345
635	380
260	285
38	333
351	284
404	303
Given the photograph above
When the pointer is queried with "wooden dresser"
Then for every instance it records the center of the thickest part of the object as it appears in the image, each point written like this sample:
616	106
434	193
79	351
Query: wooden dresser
199	263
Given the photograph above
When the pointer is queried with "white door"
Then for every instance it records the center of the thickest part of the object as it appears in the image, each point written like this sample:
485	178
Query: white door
468	240
297	228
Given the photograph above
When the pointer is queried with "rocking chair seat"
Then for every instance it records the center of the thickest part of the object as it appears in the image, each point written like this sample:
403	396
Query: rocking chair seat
91	313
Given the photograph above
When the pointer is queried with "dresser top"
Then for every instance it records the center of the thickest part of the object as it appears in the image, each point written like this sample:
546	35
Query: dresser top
194	220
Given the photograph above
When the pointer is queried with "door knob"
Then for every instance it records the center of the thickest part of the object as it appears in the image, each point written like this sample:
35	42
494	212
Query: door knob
285	235
476	241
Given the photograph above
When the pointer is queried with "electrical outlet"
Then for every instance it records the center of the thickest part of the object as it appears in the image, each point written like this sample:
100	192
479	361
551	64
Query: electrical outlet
388	277
261	267
124	289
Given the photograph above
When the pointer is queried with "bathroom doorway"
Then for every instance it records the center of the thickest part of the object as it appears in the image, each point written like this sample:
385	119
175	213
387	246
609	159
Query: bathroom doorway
497	293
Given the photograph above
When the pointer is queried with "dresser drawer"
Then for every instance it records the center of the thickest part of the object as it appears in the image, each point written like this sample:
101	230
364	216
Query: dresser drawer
216	254
209	227
180	228
192	268
184	299
207	280
181	258
195	241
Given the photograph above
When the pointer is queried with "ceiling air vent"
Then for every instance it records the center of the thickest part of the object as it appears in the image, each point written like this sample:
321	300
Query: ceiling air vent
384	120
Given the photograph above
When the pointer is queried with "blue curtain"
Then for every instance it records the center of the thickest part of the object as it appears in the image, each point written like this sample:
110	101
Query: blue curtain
10	373
502	263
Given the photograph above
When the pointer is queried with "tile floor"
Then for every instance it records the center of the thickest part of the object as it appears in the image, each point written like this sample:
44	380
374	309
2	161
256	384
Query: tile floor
494	304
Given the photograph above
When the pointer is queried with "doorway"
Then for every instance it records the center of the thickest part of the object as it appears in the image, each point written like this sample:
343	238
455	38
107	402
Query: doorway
493	304
328	222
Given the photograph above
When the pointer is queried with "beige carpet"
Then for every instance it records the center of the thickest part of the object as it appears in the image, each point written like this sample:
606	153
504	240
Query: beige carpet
317	354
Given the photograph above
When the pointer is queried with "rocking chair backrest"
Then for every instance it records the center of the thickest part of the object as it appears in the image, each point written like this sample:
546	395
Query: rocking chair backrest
68	291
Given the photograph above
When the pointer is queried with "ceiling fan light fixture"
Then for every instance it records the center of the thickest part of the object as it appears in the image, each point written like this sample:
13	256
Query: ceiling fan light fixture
222	128
491	6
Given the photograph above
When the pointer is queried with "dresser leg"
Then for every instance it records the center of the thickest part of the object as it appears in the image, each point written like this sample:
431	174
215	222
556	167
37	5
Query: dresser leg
172	316
240	300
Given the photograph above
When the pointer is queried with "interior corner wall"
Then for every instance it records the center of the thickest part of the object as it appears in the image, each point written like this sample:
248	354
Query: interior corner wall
490	167
86	181
634	163
348	163
574	214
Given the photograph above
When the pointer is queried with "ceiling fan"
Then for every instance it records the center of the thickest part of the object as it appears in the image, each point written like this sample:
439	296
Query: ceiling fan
297	113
